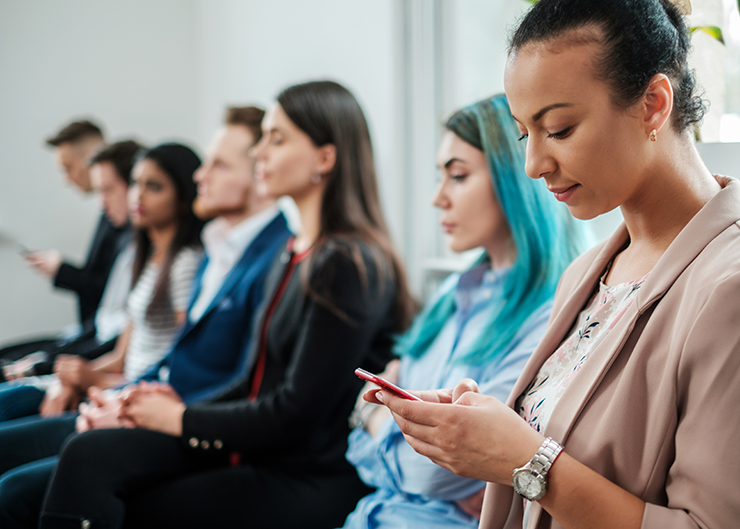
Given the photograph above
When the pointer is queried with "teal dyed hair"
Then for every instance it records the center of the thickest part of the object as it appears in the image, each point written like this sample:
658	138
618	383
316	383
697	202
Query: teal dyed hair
546	236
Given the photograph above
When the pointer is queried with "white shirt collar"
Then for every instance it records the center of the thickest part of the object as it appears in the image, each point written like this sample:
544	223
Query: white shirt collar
222	240
224	245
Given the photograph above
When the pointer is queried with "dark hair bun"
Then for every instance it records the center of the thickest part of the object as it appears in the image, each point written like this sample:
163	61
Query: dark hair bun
640	38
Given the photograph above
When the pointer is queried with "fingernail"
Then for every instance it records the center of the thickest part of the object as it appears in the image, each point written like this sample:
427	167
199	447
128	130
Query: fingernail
379	396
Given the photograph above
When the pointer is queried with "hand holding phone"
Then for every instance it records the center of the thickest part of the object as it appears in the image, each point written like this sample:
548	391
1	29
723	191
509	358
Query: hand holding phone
385	385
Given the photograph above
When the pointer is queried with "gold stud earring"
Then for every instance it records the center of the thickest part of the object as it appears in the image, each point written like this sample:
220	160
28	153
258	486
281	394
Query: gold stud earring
653	135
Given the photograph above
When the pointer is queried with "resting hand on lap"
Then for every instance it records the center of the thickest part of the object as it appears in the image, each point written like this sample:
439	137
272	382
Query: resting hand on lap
74	371
154	406
58	399
102	411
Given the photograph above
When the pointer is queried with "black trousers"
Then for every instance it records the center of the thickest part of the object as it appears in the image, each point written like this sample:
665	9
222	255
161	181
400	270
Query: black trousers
142	479
32	438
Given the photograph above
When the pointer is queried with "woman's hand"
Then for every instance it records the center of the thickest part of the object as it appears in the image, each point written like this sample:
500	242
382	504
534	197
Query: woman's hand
154	407
74	371
58	399
101	412
374	415
464	431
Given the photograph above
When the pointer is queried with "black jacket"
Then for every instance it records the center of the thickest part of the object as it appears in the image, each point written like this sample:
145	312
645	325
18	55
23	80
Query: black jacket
299	420
88	282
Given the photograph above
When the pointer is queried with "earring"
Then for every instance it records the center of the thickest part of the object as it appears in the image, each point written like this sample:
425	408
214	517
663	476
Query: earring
317	177
653	135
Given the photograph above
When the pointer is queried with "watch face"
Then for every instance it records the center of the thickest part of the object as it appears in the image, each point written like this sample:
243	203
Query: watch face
529	484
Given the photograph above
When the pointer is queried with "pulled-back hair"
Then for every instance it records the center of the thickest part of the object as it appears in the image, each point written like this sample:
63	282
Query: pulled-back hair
248	117
121	155
76	132
179	163
329	114
546	236
639	38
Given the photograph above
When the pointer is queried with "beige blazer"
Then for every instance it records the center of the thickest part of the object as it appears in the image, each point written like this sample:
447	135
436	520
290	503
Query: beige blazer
656	408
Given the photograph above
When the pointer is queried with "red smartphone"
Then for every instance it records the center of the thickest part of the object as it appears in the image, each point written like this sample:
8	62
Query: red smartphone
384	384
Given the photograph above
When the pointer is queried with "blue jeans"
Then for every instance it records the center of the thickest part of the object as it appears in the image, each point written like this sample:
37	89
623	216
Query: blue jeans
19	400
28	456
22	493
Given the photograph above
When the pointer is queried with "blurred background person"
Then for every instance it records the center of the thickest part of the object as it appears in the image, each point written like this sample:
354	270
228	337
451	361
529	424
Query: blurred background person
278	436
74	146
241	241
166	258
110	173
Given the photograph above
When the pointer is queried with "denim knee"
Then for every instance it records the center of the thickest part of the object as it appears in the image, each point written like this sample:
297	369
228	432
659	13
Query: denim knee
19	401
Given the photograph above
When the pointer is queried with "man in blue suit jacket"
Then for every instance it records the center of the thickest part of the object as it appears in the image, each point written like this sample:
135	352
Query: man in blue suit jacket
241	242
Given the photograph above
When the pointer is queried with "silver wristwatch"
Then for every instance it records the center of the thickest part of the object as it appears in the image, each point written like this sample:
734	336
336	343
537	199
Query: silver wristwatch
530	480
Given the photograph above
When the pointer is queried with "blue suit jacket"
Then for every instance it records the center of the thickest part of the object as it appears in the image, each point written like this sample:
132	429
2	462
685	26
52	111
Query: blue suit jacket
209	353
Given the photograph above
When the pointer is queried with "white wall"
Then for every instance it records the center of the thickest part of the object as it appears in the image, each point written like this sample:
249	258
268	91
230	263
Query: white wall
129	64
161	69
249	51
475	45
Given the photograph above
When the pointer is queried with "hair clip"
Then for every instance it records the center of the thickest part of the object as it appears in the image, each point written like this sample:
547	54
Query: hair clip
684	6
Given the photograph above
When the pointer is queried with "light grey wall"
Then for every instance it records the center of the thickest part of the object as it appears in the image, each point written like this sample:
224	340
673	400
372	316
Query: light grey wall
162	69
721	158
130	65
249	50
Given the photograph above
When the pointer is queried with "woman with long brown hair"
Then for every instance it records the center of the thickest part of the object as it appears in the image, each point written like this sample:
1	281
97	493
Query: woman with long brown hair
268	452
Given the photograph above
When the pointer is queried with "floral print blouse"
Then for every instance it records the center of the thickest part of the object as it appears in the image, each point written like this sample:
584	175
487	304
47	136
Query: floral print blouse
538	401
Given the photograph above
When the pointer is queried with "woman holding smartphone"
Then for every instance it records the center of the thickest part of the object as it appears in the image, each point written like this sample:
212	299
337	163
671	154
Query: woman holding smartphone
482	324
268	452
625	415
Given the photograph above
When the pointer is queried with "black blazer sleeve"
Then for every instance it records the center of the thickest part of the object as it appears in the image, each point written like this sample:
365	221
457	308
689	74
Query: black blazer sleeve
88	282
304	408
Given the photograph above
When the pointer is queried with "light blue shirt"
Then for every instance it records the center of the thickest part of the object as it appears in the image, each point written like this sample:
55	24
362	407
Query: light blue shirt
413	492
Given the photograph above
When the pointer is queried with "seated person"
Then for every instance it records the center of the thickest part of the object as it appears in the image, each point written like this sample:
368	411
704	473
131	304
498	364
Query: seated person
483	323
278	435
110	174
624	417
241	242
74	145
167	234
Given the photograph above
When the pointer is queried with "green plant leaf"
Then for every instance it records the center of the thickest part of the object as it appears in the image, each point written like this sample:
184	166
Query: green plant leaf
712	31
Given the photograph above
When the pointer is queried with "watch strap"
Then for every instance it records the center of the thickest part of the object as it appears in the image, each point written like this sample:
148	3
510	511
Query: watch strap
537	469
545	456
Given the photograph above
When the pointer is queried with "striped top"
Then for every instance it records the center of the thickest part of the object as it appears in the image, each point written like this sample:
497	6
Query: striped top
153	335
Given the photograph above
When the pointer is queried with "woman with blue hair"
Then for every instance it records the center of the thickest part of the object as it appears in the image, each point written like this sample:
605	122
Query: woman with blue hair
482	324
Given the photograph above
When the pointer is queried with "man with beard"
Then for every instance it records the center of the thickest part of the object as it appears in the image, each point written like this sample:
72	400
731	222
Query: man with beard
240	242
